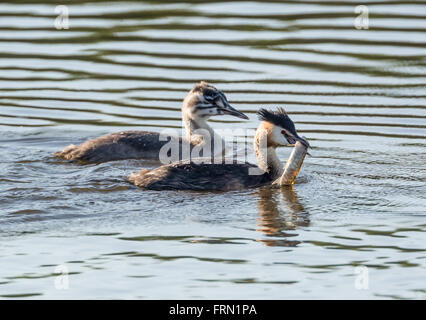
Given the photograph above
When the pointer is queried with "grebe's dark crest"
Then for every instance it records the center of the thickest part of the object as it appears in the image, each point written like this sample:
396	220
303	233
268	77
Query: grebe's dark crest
278	130
202	102
281	119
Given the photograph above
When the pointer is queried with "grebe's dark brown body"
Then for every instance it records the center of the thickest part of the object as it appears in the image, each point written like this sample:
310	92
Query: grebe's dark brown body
202	102
186	175
276	128
116	146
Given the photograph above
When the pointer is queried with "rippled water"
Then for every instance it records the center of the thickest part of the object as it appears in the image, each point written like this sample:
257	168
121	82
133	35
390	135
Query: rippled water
357	95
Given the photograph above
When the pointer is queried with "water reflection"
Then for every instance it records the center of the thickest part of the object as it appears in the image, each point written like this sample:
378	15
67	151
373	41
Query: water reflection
278	215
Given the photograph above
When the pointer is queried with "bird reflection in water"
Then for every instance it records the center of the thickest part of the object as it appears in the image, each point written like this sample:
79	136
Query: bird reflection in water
279	216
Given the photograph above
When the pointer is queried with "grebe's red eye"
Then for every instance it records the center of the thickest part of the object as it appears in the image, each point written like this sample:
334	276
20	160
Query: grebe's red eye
283	131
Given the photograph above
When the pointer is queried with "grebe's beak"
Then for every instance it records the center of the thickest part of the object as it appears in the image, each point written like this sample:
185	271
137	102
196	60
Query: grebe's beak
305	143
292	138
234	112
224	106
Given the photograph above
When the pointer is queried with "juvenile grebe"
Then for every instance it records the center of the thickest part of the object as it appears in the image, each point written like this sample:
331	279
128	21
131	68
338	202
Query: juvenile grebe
276	128
202	102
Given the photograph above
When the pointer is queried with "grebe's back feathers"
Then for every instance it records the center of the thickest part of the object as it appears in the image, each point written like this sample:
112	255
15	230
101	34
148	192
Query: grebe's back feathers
116	146
186	175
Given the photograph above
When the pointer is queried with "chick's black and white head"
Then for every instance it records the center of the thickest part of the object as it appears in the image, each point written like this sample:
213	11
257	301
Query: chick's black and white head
204	101
280	128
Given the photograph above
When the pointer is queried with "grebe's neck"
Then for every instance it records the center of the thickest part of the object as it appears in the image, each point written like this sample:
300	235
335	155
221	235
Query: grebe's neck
267	159
196	126
198	132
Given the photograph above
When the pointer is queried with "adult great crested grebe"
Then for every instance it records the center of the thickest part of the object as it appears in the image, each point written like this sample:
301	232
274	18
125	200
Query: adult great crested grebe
202	102
275	130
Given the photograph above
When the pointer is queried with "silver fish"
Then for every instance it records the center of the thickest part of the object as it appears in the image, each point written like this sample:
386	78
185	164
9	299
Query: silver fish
293	165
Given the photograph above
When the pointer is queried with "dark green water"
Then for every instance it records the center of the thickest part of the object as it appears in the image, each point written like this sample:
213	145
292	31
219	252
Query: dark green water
357	95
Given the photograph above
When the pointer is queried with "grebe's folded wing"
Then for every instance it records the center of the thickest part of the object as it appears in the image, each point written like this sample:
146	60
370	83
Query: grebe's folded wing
185	175
115	146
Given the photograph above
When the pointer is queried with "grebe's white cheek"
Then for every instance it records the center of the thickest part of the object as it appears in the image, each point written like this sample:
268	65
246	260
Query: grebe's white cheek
205	113
278	137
